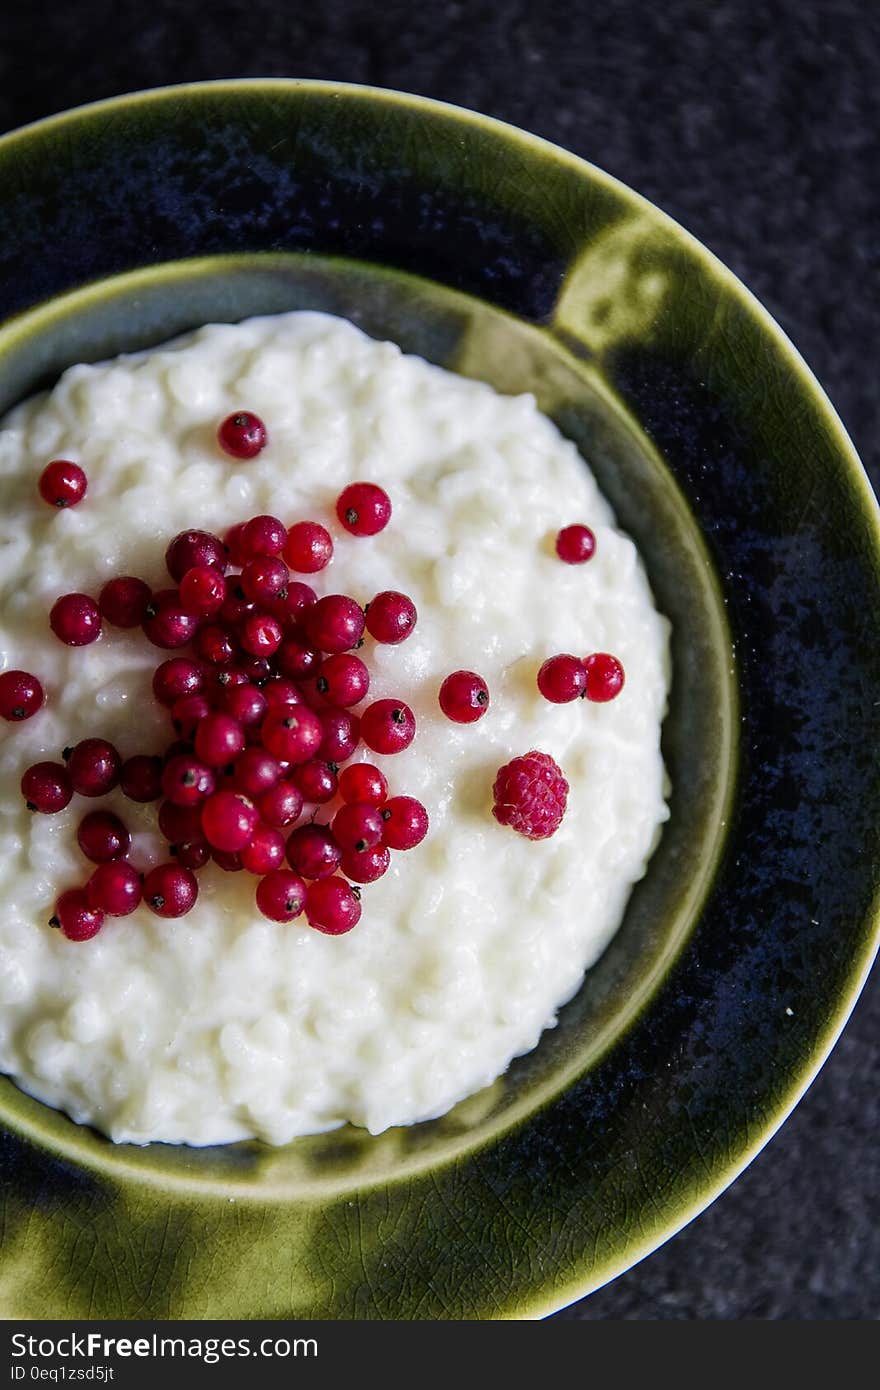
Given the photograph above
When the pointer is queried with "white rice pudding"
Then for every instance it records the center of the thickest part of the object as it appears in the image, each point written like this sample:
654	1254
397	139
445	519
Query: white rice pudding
222	1025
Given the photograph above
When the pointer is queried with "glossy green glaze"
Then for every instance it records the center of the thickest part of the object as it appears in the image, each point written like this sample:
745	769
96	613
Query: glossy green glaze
677	1058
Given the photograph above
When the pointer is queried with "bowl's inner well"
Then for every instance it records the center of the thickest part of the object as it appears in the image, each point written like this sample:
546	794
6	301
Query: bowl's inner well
142	309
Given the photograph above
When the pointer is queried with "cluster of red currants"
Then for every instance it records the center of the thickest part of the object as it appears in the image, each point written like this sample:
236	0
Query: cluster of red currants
598	677
262	714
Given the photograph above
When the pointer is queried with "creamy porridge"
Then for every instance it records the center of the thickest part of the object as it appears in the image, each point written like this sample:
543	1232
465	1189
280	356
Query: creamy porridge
221	1024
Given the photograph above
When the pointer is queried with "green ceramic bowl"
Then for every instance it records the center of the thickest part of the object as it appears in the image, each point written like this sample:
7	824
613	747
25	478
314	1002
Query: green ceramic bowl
743	949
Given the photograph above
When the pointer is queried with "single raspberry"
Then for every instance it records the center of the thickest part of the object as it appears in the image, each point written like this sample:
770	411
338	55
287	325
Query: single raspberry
531	795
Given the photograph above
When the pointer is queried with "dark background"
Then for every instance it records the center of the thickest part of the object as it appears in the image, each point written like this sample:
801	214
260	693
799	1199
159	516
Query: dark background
756	126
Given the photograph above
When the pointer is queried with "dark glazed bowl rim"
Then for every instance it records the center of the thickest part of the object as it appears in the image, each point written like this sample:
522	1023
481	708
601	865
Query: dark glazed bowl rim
560	1287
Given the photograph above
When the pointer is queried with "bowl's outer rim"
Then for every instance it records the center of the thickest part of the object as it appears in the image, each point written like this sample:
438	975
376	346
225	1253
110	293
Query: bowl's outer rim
631	1254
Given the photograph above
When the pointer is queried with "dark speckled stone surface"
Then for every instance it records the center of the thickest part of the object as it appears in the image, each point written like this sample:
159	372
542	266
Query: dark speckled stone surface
761	138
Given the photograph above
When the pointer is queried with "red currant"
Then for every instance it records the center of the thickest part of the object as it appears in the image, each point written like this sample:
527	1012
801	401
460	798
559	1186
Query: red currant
170	890
123	602
76	620
332	906
245	703
115	889
140	778
390	617
264	851
281	895
562	678
242	435
219	740
316	780
405	822
605	677
194	548
358	826
46	788
180	824
216	646
203	591
93	766
313	851
229	820
341	735
388	726
76	918
262	535
281	805
344	680
296	658
335	623
256	772
186	781
62	483
293	735
365	866
187	714
264	578
308	548
282	693
166	622
363	509
21	695
575	544
257	669
464	697
363	782
102	836
260	634
192	854
236	606
298	598
177	677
